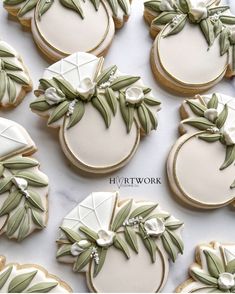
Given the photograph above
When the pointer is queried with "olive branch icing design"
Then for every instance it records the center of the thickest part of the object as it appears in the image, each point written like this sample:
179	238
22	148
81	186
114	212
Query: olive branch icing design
211	19
23	205
106	93
213	123
88	246
217	274
22	283
12	73
75	5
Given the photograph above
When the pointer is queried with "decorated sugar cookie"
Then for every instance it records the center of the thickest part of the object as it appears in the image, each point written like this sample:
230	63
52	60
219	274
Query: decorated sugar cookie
200	166
121	245
28	278
101	112
23	187
14	78
89	27
213	270
194	43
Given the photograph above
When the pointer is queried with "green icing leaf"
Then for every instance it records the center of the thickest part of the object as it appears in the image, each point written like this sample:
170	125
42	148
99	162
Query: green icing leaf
96	4
197	107
169	245
35	200
127	114
6	51
40	105
37	218
131	238
208	30
144	118
184	6
217	9
18	78
148	243
151	101
79	110
59	112
153	119
213	102
200	123
21	282
4	276
204	278
64	250
164	18
43	6
222	117
121	216
91	235
11	90
122	82
66	87
10	64
100	104
5	184
82	260
178	27
120	244
1	169
210	138
20	162
233	185
224	41
173	225
46	83
105	75
71	235
143	211
29	5
15	220
229	158
230	267
33	179
74	5
124	5
24	228
111	99
227	19
177	241
3	84
214	264
114	6
42	287
153	5
102	252
11	202
218	27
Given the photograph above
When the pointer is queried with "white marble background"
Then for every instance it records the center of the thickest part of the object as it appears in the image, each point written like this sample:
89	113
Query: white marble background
130	51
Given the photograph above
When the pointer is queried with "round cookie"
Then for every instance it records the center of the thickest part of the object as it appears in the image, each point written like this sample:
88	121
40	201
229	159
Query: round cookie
122	246
23	187
213	270
14	78
194	43
101	113
29	278
89	26
200	165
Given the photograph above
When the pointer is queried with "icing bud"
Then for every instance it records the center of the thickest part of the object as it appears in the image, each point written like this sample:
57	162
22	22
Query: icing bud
105	238
21	184
166	5
134	95
79	247
52	97
211	114
198	12
226	281
229	135
154	227
86	89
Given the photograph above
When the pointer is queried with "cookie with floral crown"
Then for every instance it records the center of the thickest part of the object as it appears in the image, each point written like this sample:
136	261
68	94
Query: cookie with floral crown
201	163
121	245
23	187
90	25
14	78
101	112
194	43
29	278
213	270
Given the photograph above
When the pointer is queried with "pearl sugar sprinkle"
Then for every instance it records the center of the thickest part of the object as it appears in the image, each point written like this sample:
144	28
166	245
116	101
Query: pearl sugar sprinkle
133	221
95	255
110	80
71	107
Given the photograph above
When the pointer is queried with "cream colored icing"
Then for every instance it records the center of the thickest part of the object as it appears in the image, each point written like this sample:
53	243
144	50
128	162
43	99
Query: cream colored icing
187	62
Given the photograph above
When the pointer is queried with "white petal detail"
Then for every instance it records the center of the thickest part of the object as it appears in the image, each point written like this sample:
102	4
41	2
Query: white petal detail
52	97
211	114
198	12
76	249
226	281
134	95
154	227
105	238
229	135
21	184
86	88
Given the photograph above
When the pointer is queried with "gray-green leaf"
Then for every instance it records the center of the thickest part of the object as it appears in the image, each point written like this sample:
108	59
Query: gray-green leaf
153	5
71	235
59	112
169	246
3	84
208	30
222	117
4	276
148	243
120	244
123	82
227	19
197	107
35	200
11	90
143	211
11	202
178	27
21	282
114	6
229	158
79	110
200	123
18	78
204	278
102	252
164	18
66	87
15	220
29	5
151	101
173	225
121	216
24	228
37	218
5	184
20	162
213	102
124	6
210	138
91	235
43	287
176	240
43	6
74	5
40	105
64	250
105	75
224	41
111	99
214	264
82	260
33	179
131	238
230	267
101	105
144	119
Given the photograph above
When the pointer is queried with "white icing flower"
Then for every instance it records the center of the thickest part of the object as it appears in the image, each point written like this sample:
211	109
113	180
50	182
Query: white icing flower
166	5
229	135
226	281
134	95
21	184
154	227
198	12
211	114
79	247
105	238
86	88
52	97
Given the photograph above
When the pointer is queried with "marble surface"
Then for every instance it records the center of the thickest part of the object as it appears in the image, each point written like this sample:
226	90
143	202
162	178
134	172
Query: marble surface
130	51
